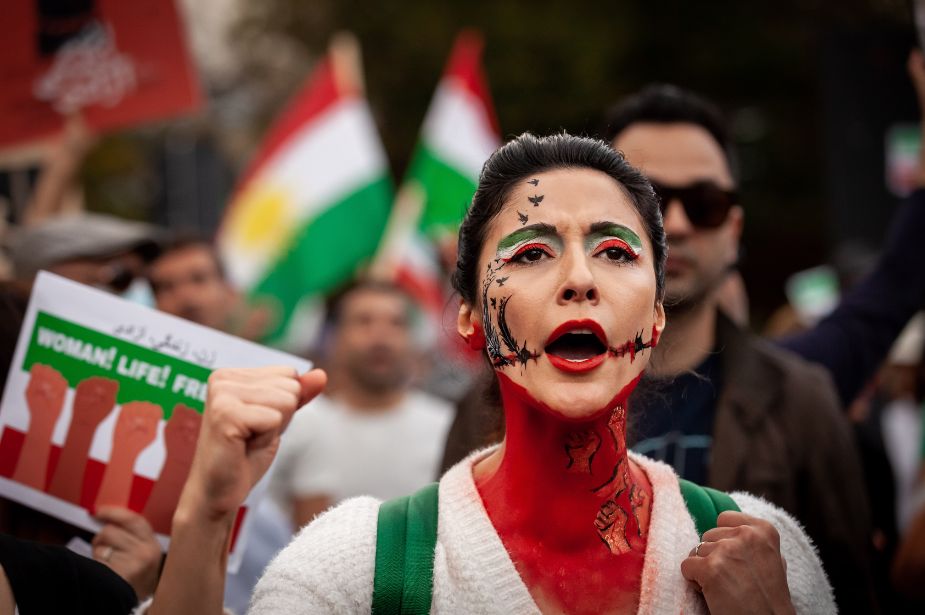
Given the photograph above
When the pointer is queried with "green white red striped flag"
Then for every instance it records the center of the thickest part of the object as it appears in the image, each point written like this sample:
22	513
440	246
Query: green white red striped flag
312	207
460	131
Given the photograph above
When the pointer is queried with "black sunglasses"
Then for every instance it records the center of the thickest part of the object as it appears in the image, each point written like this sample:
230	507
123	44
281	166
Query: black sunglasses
705	204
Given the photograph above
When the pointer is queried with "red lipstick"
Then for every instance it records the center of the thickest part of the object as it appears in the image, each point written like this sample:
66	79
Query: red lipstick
576	366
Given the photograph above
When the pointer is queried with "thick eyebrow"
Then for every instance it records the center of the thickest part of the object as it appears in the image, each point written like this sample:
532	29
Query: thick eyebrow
528	232
612	229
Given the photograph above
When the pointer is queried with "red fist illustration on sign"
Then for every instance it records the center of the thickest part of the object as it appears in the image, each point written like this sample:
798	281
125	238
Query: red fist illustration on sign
136	428
45	398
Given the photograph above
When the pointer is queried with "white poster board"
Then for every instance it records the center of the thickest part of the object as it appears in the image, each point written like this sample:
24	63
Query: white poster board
103	404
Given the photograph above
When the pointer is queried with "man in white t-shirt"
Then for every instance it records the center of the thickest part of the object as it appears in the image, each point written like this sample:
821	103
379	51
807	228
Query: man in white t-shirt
371	433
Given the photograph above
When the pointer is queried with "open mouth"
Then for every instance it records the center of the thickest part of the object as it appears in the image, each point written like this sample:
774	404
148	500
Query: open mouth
577	345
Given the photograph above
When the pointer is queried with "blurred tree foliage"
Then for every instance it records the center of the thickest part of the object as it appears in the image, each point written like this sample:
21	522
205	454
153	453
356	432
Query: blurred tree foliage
558	65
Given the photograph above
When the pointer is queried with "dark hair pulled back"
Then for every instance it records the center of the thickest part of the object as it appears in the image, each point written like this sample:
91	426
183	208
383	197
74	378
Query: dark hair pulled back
529	155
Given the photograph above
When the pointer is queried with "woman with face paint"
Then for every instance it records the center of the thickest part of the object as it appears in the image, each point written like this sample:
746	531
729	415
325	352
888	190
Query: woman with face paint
560	272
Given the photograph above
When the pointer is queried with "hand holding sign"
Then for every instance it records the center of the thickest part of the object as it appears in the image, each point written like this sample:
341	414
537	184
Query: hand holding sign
71	372
135	429
45	399
126	543
94	399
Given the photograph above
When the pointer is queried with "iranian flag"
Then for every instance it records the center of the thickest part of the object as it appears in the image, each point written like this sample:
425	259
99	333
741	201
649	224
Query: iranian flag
460	131
313	204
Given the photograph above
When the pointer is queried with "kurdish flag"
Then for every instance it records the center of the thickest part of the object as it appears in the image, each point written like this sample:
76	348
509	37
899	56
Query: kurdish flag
312	207
460	131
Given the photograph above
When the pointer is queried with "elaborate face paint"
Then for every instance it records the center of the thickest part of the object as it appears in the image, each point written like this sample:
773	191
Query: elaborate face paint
568	309
502	348
540	237
617	240
569	299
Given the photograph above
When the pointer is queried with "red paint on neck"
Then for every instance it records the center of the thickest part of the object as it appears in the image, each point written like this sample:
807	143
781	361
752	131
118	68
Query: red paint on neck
545	509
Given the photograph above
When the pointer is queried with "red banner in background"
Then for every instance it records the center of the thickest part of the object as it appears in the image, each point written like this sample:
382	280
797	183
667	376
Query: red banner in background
118	63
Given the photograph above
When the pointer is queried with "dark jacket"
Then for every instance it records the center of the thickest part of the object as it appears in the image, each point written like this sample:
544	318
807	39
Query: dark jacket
779	432
853	341
52	579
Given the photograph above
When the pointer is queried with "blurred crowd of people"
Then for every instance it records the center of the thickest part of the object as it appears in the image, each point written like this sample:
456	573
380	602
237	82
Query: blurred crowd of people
825	422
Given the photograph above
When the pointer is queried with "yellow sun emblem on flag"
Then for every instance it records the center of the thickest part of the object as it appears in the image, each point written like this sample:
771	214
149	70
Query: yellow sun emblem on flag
262	218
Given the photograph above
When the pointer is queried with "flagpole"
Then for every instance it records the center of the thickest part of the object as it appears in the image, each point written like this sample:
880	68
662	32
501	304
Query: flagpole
347	63
402	224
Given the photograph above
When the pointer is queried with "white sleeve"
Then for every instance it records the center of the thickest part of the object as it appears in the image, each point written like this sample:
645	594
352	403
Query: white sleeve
327	568
810	589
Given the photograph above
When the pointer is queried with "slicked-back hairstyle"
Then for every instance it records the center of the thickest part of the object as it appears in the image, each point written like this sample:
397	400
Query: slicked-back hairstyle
669	104
529	155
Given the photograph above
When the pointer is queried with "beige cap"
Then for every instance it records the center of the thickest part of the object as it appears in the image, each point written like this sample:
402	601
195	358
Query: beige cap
74	236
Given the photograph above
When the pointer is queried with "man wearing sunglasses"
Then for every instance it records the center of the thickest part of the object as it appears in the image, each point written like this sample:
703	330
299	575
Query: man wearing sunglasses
732	411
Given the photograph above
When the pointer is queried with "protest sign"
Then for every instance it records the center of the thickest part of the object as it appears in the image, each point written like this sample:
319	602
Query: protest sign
103	403
115	63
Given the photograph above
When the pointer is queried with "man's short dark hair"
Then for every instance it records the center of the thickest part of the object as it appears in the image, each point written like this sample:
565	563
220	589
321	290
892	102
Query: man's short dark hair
669	104
335	304
183	240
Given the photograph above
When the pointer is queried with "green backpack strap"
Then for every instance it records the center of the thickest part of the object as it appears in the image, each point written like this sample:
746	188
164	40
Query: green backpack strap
407	535
705	504
405	541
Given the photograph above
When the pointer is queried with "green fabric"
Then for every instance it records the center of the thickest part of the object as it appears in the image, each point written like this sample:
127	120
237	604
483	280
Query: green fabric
390	557
405	542
447	191
326	252
407	535
79	352
705	504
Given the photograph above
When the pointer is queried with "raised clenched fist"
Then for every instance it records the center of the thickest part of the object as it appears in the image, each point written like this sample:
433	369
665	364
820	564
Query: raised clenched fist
246	412
45	399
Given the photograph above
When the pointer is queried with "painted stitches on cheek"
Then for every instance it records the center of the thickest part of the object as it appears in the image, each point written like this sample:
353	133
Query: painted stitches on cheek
632	347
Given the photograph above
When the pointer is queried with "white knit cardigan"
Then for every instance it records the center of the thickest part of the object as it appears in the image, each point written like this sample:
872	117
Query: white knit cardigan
329	566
